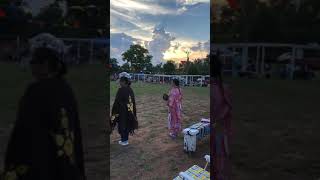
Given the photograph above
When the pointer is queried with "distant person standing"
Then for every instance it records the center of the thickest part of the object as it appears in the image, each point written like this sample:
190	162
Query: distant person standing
124	112
236	65
268	70
46	142
222	117
175	109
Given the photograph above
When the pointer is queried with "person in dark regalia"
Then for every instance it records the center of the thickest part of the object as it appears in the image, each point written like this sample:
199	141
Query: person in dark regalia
124	113
46	142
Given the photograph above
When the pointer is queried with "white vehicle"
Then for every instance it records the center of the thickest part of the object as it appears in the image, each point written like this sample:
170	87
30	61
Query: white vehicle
201	82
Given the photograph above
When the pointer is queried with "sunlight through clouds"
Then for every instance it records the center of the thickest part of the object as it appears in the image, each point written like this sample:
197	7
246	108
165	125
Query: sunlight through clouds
166	28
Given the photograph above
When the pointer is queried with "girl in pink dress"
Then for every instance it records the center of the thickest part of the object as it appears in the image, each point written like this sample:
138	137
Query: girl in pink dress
221	110
174	104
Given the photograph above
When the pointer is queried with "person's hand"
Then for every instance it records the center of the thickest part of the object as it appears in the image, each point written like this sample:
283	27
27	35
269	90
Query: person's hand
113	122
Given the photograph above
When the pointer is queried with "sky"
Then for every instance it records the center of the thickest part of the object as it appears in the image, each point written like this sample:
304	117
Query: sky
35	6
167	28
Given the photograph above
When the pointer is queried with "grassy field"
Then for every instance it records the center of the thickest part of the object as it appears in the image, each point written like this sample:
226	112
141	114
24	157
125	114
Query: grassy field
89	84
276	126
276	129
151	153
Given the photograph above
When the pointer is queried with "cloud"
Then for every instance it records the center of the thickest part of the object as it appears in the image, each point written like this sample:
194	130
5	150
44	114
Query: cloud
140	7
191	2
37	6
205	46
182	24
120	42
130	22
160	43
177	51
162	47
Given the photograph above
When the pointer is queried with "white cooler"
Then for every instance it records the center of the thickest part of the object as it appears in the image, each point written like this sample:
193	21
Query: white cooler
194	132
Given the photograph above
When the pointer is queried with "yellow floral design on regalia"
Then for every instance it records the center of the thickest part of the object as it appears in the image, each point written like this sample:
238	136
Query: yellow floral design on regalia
64	139
130	105
16	172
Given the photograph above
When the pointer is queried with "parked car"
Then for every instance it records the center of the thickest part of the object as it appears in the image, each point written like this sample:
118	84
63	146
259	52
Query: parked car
202	82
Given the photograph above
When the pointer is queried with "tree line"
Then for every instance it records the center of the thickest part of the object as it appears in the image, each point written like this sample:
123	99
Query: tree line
281	21
138	60
84	19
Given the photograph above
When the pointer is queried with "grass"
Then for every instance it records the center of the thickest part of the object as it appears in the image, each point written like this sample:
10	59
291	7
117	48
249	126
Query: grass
276	132
88	83
276	127
152	153
156	89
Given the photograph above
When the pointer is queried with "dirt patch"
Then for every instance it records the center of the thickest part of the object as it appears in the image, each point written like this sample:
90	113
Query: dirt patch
151	153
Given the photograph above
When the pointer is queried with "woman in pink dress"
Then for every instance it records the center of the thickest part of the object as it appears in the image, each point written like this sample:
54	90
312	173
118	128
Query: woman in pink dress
174	104
221	135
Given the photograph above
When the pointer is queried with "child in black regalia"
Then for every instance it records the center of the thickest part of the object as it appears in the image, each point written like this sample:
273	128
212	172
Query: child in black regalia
46	142
124	113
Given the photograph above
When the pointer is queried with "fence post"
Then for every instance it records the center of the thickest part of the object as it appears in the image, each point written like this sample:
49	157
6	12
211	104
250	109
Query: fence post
262	60
292	62
78	51
244	58
18	42
91	51
257	59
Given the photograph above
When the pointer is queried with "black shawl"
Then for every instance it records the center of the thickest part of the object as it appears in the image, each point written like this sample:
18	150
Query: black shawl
124	110
46	142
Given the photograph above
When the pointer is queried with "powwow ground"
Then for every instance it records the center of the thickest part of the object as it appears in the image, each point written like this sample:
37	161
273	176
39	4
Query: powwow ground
88	83
276	127
151	153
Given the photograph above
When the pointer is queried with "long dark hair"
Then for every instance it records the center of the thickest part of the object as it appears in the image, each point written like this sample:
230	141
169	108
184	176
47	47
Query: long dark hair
177	83
54	59
216	67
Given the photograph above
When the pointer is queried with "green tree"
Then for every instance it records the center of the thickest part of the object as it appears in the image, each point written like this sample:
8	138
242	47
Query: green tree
16	20
97	20
193	69
149	68
270	21
169	67
138	57
52	14
158	69
115	66
125	67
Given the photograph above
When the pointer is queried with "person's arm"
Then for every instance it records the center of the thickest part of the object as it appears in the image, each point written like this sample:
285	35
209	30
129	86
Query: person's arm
217	109
136	124
180	97
19	153
226	144
78	142
171	99
226	101
115	109
134	105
